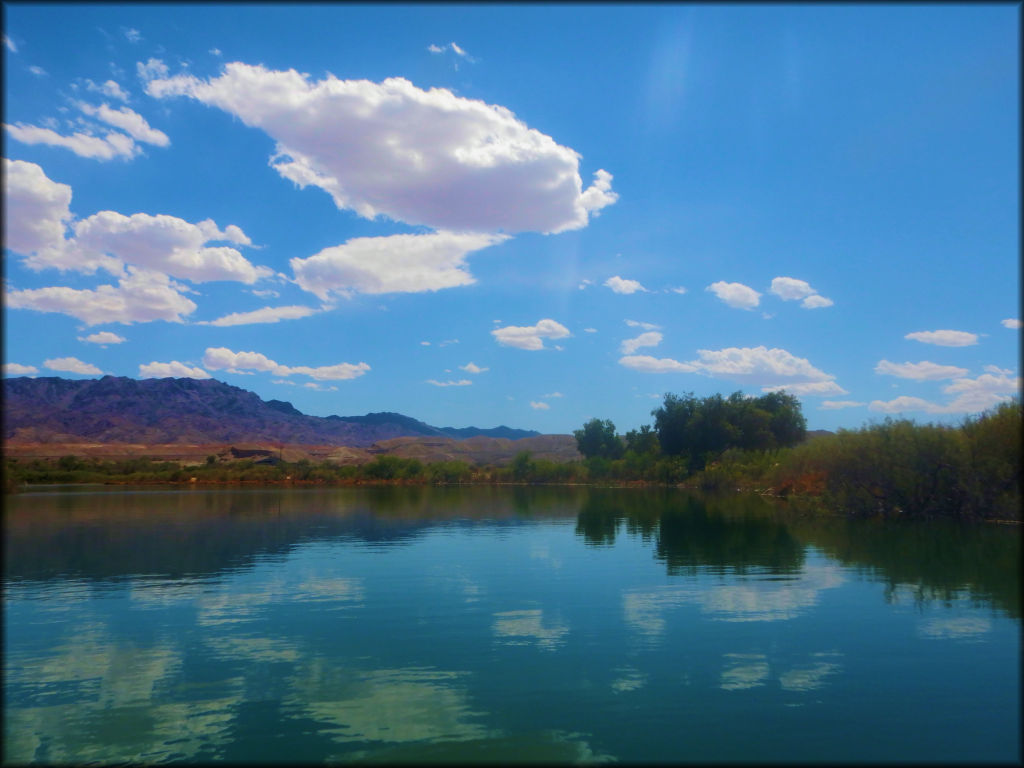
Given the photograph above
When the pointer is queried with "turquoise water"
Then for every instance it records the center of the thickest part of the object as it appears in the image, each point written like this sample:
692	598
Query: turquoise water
550	624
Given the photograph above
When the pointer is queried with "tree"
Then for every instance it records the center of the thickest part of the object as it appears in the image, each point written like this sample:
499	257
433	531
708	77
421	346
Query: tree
598	438
642	441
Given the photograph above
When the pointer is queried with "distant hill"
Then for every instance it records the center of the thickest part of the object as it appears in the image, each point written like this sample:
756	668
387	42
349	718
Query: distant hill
117	409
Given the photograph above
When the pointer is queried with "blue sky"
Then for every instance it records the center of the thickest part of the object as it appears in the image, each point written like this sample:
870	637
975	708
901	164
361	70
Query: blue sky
521	215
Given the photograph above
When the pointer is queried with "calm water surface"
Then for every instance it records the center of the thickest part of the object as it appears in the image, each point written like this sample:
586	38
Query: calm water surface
575	625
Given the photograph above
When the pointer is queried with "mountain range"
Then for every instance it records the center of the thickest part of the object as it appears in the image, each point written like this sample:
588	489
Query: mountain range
117	409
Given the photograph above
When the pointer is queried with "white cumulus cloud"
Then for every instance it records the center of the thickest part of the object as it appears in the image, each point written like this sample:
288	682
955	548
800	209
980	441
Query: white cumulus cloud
103	337
736	295
71	365
167	244
944	338
791	289
17	369
222	358
173	369
473	368
1011	323
622	285
530	336
140	297
769	369
392	264
923	371
816	302
648	339
424	157
36	211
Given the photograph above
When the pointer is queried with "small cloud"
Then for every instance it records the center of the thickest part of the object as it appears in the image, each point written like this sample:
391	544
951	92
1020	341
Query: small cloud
17	369
435	48
71	365
923	371
584	283
1011	323
539	406
446	342
215	51
590	330
791	289
473	368
425	343
37	71
171	370
151	70
132	35
10	44
552	394
648	339
645	326
531	336
816	302
103	337
736	295
944	338
108	88
835	405
680	289
265	293
264	315
622	285
997	370
320	387
648	364
450	383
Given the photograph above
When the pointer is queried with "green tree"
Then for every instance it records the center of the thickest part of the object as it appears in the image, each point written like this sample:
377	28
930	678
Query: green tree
598	438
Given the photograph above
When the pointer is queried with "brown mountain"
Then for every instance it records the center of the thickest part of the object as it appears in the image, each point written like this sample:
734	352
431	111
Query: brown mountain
116	409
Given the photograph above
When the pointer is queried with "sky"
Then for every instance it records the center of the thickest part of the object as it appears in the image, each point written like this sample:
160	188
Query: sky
517	214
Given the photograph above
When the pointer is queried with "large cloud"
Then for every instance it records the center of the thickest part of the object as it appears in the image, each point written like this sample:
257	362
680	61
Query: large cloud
168	244
37	213
222	358
530	336
394	264
972	396
139	297
770	369
423	157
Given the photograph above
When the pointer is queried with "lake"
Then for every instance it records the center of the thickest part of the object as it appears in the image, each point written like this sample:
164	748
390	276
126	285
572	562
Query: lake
500	624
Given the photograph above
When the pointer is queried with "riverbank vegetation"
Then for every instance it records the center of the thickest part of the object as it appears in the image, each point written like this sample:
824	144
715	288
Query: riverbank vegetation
894	468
